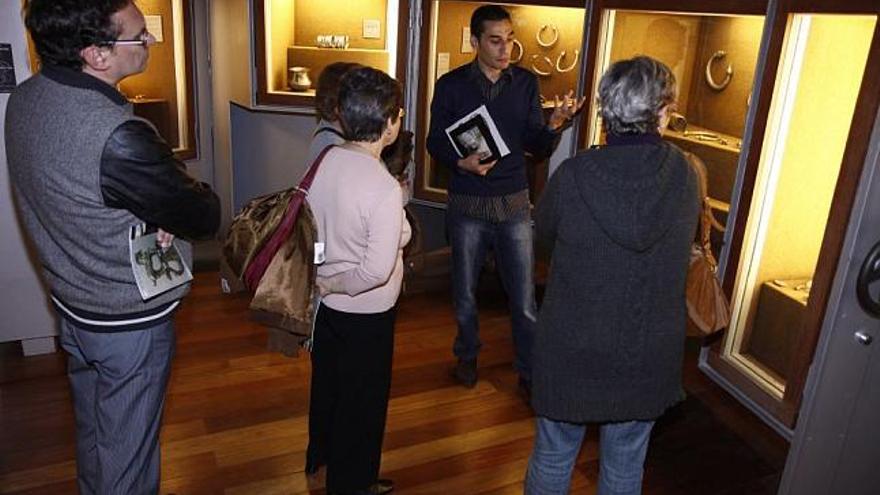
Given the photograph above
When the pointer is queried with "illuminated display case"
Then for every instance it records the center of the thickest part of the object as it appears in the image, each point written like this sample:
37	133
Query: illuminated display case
549	40
296	39
788	230
768	94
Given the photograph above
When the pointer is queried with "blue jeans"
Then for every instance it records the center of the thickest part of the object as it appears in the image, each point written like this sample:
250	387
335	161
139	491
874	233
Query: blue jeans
622	450
471	239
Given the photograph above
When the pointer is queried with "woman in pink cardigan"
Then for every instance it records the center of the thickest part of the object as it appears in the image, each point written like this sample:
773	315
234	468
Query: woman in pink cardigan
358	209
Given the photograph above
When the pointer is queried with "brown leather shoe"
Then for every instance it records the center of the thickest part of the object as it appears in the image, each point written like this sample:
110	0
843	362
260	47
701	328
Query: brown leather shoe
465	372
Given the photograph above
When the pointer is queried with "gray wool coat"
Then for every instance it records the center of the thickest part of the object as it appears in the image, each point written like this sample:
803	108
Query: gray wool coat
619	222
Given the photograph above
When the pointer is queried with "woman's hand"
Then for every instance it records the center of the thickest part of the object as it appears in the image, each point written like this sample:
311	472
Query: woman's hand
323	285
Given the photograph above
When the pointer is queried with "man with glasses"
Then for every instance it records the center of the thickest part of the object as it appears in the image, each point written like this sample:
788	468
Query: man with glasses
85	171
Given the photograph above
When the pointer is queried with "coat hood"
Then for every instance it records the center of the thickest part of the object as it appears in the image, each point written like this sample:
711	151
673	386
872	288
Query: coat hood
634	192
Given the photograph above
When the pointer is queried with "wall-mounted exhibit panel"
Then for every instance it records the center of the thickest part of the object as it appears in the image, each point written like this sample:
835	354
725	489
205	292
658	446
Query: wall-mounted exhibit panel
549	41
713	57
296	39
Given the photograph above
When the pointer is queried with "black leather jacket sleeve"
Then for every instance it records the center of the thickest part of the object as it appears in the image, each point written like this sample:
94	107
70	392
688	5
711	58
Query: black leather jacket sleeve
139	173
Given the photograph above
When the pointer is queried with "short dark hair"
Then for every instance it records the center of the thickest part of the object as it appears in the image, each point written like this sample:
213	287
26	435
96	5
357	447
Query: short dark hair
327	90
368	97
487	13
62	28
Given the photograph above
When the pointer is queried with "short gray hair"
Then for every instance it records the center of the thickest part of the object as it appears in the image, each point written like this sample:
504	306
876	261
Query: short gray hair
632	93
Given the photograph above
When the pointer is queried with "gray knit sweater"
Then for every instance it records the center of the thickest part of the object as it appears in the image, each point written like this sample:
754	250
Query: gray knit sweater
619	221
55	136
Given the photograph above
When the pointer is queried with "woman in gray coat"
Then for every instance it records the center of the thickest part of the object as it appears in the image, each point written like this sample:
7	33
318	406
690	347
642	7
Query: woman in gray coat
619	221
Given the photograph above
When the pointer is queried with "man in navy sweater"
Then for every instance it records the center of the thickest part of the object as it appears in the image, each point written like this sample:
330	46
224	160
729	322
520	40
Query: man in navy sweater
489	202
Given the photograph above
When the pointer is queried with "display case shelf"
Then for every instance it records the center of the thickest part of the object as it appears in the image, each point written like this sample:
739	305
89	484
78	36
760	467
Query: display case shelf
286	35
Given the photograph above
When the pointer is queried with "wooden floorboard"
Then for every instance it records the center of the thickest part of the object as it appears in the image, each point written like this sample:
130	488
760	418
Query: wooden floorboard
236	416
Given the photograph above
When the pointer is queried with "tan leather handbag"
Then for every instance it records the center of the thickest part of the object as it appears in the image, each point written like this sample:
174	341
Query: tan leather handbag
708	307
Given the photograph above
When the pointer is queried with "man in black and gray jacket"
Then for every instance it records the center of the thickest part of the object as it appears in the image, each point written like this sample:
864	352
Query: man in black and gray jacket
85	170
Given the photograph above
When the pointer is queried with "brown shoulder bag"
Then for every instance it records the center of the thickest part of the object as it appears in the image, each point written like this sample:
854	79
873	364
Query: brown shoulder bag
708	307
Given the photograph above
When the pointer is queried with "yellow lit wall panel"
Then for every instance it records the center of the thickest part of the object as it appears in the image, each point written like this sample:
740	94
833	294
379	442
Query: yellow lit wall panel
833	65
314	17
280	19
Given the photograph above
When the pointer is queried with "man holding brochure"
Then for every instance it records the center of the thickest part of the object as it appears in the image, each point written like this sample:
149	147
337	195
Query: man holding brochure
87	175
497	105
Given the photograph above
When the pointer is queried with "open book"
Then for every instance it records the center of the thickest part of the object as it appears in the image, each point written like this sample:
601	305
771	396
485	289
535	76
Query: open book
476	132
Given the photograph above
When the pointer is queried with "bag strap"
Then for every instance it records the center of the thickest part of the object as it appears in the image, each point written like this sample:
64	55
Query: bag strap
253	274
705	222
307	179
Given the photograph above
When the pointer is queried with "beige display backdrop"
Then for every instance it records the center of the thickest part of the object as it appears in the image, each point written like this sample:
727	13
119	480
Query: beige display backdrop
294	27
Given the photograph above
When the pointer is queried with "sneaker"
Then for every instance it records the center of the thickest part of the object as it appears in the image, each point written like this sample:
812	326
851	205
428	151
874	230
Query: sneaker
465	372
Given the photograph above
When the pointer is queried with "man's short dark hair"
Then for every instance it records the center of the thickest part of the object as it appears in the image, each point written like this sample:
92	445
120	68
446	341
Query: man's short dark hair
368	97
487	13
327	89
62	28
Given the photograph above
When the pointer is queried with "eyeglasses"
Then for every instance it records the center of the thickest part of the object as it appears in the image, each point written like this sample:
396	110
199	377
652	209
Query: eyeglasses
142	40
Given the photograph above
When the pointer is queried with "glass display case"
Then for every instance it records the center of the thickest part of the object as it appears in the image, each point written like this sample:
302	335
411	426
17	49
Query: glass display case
296	39
713	56
549	42
780	285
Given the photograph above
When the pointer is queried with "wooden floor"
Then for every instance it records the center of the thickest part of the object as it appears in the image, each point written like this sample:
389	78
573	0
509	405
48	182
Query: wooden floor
236	416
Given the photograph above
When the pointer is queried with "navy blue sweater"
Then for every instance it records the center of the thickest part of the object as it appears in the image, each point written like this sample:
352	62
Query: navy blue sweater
518	115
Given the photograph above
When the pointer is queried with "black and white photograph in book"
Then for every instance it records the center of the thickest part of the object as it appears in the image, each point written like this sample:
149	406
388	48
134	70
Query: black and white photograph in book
473	136
156	269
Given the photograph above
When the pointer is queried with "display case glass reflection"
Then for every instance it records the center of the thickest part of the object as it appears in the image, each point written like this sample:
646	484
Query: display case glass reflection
713	58
818	82
548	43
298	38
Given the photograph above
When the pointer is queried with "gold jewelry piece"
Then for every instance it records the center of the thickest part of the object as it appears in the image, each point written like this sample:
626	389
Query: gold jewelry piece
728	74
516	60
546	60
550	43
561	56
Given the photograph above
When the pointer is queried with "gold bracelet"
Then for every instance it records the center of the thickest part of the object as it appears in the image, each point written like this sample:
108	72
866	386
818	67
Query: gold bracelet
728	74
540	72
561	56
516	60
550	43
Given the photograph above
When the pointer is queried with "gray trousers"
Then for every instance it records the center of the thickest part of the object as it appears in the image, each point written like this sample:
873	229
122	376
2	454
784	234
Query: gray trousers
118	383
